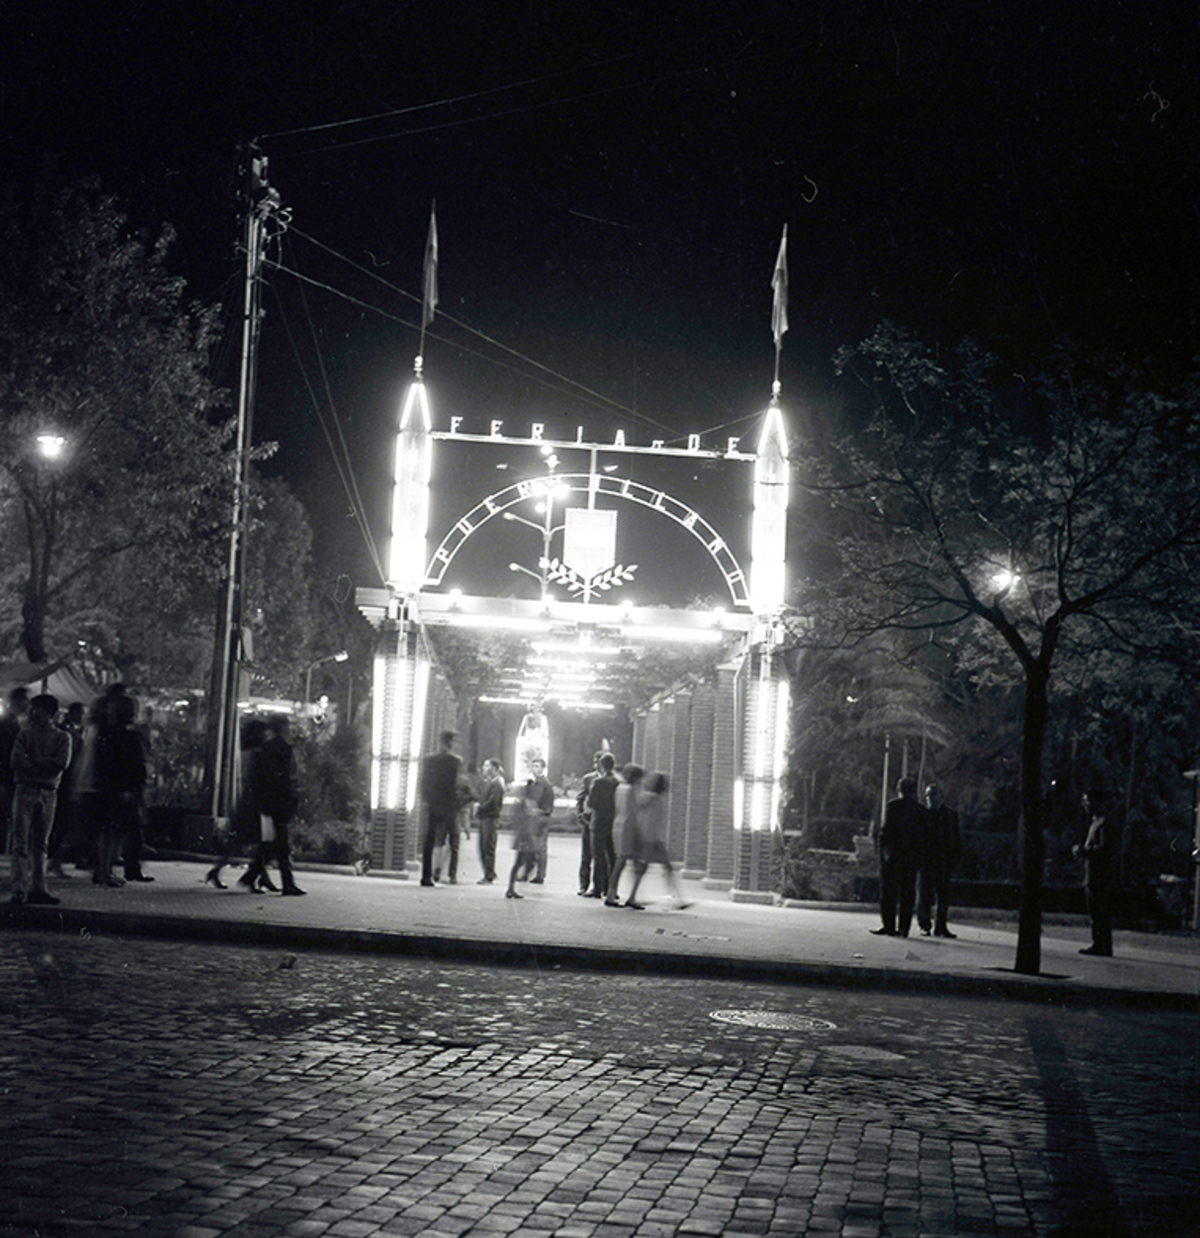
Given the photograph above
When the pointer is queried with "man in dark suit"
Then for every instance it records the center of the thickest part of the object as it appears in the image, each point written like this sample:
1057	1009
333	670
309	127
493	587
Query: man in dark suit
900	841
1099	848
943	842
439	790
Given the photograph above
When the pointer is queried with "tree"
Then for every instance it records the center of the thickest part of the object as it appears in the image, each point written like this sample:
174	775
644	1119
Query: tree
1023	528
100	360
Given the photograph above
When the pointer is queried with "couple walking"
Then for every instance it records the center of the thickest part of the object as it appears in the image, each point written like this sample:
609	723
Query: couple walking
638	832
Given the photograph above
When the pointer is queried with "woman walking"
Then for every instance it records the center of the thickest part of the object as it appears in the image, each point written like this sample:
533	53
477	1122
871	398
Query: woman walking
625	829
652	829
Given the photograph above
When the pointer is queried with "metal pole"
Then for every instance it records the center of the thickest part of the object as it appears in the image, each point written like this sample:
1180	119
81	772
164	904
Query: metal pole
262	203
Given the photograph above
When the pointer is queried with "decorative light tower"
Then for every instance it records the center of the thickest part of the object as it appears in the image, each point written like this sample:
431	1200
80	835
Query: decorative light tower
758	786
402	668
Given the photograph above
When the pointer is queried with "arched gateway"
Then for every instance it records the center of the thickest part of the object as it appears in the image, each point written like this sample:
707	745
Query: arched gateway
722	744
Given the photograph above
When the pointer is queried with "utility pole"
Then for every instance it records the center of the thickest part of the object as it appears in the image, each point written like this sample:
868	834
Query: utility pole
265	218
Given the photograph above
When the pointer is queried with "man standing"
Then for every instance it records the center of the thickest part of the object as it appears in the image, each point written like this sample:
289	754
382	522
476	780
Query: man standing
40	754
602	808
1098	849
487	817
943	841
584	818
899	842
541	793
439	790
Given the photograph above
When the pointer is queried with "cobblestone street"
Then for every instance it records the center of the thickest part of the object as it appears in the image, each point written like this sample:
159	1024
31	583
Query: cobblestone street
200	1090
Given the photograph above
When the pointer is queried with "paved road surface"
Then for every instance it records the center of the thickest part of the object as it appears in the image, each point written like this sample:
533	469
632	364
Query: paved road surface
198	1090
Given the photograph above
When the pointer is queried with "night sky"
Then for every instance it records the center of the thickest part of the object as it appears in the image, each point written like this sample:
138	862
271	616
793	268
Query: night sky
611	182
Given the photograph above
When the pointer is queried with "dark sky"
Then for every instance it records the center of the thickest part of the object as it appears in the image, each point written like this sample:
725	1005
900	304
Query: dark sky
611	181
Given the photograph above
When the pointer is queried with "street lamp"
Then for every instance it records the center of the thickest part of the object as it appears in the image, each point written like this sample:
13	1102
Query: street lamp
340	656
547	528
51	446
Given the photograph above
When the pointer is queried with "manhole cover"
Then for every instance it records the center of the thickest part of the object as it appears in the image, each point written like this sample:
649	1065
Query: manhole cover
774	1019
864	1053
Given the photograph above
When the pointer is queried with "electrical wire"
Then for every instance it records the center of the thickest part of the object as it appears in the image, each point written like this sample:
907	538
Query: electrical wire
594	397
343	469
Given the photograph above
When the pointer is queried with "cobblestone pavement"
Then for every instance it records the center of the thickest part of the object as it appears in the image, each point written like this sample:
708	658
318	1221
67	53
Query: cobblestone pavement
197	1090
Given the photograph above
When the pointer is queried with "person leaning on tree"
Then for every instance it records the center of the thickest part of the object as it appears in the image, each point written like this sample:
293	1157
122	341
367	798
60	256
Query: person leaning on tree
900	839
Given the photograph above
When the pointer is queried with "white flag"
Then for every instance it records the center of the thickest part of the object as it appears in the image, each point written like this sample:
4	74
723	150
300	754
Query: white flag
430	282
779	323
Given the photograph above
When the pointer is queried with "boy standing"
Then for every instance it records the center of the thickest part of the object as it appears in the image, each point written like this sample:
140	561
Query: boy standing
40	754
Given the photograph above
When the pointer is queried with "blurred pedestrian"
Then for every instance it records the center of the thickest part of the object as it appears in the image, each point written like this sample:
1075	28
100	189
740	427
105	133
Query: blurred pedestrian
625	829
66	839
439	790
539	791
602	809
449	842
41	752
530	827
488	810
243	829
1099	847
900	838
11	722
939	853
120	773
273	793
651	800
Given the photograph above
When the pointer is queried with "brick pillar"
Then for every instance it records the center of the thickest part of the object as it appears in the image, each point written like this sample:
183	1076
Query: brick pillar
764	704
698	782
725	744
676	767
401	681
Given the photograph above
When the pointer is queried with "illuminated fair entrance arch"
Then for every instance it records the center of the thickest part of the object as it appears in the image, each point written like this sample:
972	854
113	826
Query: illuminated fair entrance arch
593	485
722	744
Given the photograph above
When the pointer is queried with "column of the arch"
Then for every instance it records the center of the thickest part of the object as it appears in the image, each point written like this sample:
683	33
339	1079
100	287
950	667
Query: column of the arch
650	737
400	681
725	741
764	710
697	798
638	721
675	765
438	713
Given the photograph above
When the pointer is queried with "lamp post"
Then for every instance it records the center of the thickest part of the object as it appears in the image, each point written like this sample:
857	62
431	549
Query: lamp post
547	529
340	656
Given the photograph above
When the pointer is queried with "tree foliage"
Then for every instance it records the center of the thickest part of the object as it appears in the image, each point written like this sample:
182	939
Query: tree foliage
96	347
1029	529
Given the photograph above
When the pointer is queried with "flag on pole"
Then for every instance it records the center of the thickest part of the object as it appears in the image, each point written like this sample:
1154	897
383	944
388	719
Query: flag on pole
779	323
430	281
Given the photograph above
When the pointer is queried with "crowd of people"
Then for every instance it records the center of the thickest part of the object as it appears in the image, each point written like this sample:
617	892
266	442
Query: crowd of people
622	819
72	790
73	785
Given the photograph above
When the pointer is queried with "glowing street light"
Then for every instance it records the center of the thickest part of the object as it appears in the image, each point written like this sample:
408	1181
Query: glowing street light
51	446
340	656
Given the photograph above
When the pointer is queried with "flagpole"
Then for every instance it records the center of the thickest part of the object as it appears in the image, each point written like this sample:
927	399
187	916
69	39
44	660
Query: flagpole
429	288
779	322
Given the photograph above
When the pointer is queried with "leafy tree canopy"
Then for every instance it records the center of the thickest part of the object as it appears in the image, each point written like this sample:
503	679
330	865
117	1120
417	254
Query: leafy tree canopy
98	350
1031	528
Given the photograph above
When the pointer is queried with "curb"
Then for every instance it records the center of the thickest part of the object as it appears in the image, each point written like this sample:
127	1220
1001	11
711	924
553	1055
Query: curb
1000	983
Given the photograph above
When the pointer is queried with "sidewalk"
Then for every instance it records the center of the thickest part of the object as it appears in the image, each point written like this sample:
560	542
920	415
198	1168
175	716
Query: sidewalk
552	926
